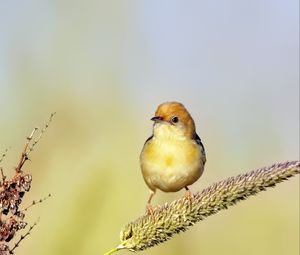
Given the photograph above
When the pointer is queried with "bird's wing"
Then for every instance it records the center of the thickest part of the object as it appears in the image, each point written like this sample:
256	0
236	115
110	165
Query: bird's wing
148	139
197	139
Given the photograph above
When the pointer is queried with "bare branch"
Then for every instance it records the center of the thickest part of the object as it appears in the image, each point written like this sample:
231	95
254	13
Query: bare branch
12	191
41	132
34	202
3	176
3	155
11	251
24	156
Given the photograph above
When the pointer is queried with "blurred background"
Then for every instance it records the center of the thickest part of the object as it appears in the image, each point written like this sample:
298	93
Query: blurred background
104	66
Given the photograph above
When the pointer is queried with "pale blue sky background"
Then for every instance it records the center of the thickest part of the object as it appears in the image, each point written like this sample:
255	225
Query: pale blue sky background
239	54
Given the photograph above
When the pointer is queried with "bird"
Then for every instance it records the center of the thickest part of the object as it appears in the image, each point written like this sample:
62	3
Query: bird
173	157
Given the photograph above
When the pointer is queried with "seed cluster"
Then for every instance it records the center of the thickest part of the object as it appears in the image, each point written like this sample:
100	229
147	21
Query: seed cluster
179	215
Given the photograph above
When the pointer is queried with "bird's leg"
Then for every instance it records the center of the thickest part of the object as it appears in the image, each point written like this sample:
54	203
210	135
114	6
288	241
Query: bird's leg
188	195
149	208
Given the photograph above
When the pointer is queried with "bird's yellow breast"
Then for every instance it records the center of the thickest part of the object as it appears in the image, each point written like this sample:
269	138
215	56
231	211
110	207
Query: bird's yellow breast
171	164
169	146
169	153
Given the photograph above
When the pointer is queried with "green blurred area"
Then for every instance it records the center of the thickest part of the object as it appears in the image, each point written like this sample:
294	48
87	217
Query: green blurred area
102	67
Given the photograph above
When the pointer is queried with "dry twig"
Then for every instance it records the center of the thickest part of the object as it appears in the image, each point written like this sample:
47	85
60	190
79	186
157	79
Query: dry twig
12	191
22	237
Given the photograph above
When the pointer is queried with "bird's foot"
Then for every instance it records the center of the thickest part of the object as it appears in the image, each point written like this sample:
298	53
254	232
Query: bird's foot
149	209
189	196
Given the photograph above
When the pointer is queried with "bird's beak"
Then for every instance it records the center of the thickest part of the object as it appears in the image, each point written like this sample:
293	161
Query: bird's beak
157	118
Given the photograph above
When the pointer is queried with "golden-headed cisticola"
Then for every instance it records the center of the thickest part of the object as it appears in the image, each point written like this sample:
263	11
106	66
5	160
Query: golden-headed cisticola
173	157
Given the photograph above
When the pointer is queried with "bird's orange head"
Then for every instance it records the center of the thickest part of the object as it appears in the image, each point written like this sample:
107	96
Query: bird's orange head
176	116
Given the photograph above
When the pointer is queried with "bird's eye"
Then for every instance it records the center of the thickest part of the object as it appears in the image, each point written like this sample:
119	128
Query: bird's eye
174	119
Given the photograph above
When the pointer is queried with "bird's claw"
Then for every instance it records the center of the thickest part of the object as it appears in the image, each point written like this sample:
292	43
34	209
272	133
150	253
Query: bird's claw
189	196
149	209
